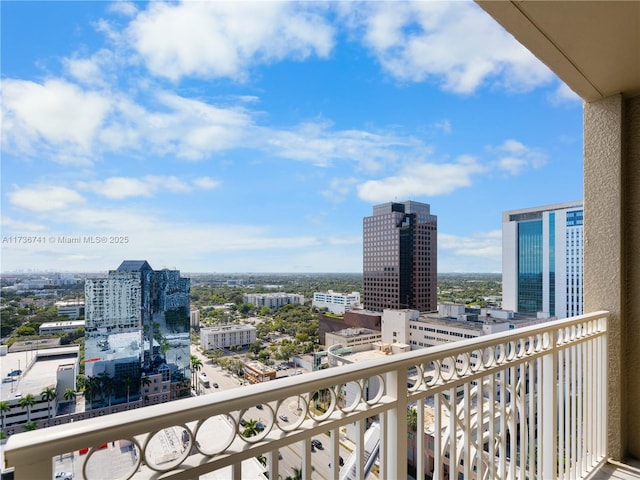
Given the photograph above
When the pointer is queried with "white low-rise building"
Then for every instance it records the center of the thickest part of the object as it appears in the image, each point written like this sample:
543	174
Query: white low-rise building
272	300
60	327
452	323
224	337
337	303
74	309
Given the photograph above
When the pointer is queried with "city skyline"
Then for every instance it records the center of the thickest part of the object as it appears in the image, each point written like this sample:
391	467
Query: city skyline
256	139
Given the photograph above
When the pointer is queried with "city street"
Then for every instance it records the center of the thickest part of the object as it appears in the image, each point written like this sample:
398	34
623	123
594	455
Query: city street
291	456
118	458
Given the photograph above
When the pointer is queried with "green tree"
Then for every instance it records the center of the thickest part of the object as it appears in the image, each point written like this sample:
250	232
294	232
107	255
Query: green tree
49	394
255	347
69	394
412	419
29	426
107	386
297	474
127	383
25	331
144	382
196	365
27	402
91	389
4	408
250	428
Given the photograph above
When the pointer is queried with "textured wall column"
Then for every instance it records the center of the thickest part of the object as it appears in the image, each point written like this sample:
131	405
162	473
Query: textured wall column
631	264
603	270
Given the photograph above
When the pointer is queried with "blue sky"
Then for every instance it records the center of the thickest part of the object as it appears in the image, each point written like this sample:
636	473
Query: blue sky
254	137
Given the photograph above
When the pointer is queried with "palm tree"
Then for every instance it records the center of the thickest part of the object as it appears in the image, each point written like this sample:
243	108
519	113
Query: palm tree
297	474
4	408
27	402
250	428
48	395
70	394
196	365
144	382
107	383
91	388
127	382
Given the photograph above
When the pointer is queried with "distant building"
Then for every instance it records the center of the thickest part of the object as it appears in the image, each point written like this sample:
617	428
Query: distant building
74	309
542	260
194	318
400	257
137	326
256	372
31	373
60	327
34	284
272	300
355	339
353	318
336	302
227	336
452	323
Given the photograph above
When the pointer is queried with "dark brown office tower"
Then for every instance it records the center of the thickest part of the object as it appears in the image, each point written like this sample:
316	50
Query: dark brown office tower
400	257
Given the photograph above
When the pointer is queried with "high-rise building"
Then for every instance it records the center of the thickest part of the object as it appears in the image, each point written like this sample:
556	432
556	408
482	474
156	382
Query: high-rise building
137	335
542	260
400	257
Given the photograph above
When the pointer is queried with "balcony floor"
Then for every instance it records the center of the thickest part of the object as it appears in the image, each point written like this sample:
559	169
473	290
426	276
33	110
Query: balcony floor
629	470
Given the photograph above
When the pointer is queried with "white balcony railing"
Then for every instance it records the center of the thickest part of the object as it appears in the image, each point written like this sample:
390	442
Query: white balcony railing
528	403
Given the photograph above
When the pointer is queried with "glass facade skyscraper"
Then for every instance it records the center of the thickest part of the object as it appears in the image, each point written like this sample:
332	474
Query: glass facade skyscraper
137	333
400	257
542	260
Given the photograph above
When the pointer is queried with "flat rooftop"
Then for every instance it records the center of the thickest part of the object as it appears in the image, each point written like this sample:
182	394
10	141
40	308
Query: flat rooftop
39	369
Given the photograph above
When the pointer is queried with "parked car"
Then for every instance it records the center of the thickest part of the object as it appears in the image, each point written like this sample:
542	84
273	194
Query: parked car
215	385
284	418
317	444
64	476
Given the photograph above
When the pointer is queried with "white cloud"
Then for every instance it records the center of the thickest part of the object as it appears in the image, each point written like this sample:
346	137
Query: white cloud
345	240
480	244
118	188
83	125
178	126
478	252
94	71
224	39
10	225
149	235
44	198
316	143
444	126
338	189
206	183
422	179
514	157
455	43
56	115
564	95
124	8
